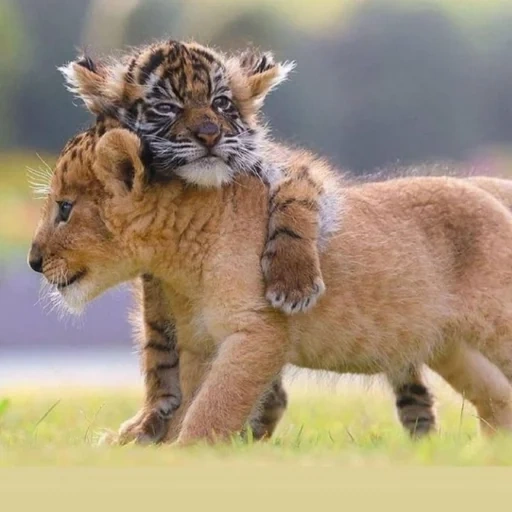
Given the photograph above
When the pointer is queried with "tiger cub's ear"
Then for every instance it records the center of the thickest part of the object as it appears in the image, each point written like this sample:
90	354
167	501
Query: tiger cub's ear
103	88
263	72
87	80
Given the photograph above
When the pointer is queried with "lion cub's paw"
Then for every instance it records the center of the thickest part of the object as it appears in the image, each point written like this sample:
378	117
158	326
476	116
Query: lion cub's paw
294	282
148	426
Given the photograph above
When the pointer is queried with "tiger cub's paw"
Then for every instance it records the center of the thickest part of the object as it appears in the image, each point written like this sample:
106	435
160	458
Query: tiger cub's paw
106	438
293	278
148	426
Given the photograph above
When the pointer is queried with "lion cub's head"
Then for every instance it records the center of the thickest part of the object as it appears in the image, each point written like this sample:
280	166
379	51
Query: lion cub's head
96	195
196	107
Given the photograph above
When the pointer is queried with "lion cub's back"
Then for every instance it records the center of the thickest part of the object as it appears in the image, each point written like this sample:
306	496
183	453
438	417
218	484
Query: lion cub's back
500	188
412	257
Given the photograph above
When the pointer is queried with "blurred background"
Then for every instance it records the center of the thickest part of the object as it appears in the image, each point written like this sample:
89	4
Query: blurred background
378	84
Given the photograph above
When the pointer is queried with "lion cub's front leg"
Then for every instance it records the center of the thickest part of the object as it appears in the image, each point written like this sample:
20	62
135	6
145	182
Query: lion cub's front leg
160	366
290	261
245	365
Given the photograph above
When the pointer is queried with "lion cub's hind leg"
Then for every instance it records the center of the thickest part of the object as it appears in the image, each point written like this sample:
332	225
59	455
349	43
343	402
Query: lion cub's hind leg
470	373
414	403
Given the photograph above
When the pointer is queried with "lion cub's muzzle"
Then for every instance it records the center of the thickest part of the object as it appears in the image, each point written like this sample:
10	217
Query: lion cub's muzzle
35	258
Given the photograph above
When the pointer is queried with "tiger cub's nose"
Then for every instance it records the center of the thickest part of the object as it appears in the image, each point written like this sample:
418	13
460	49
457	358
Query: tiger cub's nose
207	133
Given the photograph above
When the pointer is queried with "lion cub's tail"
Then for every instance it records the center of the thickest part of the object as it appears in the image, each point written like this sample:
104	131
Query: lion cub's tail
501	189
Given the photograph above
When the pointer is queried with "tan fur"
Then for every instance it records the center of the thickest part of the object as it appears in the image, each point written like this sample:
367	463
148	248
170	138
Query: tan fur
420	272
501	189
415	404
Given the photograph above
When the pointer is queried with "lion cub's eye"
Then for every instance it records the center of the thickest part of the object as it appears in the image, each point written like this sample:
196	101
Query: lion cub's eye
65	208
167	108
221	102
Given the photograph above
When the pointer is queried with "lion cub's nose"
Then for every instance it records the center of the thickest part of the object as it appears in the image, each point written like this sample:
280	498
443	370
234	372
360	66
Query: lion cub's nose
207	133
35	258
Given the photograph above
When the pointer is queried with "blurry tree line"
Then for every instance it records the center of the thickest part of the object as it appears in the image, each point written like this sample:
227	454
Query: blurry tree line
392	82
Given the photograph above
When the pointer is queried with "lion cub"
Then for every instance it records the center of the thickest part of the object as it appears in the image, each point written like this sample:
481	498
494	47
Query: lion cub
419	271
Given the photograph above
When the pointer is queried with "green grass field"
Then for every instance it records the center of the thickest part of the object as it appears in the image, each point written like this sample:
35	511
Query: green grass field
355	427
342	449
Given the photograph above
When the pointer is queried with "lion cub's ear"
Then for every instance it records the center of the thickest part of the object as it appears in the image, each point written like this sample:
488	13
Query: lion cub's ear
263	72
120	162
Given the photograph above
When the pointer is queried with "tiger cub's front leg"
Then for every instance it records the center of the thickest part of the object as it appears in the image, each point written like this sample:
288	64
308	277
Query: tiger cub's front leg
269	411
160	366
290	261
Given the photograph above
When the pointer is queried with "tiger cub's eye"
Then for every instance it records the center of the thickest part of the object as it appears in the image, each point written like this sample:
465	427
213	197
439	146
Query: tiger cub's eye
167	108
221	102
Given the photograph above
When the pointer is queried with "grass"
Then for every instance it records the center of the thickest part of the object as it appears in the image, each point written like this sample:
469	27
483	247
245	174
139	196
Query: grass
344	429
342	448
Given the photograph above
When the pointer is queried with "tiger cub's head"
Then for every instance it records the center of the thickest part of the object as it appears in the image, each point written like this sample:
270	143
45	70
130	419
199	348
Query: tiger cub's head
197	108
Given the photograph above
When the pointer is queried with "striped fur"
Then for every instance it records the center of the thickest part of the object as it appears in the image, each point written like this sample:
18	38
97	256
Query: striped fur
414	404
160	364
